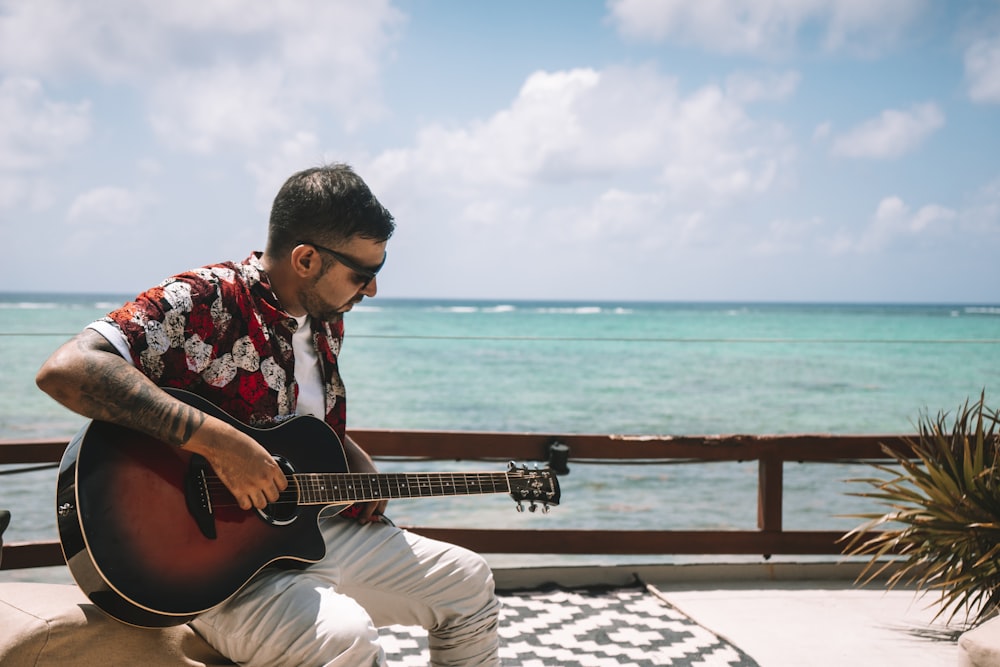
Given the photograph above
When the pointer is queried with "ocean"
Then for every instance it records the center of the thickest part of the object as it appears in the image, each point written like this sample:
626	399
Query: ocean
592	367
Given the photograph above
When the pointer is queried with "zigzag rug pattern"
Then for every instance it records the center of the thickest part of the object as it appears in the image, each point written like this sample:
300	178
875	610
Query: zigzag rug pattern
593	627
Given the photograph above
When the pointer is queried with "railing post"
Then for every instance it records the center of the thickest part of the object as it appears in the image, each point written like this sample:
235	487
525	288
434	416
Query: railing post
769	489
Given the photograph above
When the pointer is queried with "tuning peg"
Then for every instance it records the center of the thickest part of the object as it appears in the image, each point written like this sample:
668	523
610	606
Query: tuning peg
520	506
533	507
545	508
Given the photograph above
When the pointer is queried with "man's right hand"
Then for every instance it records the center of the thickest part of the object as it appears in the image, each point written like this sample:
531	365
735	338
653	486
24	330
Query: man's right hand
247	469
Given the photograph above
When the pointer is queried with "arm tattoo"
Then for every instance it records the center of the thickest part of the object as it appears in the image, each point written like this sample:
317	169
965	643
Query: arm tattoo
118	392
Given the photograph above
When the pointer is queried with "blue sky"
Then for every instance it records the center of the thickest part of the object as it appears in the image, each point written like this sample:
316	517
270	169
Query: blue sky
766	150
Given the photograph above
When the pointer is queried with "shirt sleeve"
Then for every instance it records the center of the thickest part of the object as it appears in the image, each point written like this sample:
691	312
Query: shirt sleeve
114	336
165	329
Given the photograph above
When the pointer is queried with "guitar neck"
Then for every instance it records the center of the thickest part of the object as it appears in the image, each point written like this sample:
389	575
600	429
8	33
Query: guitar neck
334	488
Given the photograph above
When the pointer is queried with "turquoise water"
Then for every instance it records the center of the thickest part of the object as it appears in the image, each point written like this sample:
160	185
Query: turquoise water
635	368
664	368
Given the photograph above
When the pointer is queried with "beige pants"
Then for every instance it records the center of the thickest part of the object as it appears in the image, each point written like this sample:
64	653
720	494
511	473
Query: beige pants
373	575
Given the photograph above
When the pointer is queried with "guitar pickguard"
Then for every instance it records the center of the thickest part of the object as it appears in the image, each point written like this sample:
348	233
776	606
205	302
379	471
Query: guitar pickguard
285	510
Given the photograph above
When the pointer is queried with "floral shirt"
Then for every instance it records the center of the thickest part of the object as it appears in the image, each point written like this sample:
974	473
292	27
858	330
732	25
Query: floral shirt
219	332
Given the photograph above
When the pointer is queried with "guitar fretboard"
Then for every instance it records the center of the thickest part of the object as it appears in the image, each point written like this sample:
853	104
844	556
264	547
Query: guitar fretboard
332	488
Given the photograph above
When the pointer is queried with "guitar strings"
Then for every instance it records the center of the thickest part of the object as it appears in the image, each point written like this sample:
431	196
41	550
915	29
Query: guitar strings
434	484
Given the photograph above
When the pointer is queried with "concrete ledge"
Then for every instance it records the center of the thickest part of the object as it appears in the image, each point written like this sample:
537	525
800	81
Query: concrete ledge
55	625
980	647
840	575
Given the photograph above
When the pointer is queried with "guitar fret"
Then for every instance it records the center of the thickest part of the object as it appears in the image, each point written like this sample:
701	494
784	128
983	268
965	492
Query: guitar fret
328	490
305	490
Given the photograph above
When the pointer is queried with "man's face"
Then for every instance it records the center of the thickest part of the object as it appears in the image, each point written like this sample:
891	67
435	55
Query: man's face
349	277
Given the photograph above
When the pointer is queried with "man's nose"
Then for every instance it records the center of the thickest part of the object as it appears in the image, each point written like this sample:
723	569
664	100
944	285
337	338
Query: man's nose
371	289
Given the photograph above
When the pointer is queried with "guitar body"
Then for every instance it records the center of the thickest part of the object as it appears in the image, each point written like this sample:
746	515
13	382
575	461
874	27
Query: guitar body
138	550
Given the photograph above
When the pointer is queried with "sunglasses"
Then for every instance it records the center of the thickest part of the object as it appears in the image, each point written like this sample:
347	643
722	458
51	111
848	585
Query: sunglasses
364	274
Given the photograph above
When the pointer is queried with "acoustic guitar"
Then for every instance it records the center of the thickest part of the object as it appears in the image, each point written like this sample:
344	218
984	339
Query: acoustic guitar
153	538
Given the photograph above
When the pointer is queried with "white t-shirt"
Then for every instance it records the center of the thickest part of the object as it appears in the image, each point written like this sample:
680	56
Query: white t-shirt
307	373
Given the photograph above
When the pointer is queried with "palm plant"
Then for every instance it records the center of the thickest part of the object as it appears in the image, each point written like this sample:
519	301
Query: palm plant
943	525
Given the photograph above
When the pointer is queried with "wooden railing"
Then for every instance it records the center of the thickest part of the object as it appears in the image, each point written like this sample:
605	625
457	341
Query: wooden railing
771	452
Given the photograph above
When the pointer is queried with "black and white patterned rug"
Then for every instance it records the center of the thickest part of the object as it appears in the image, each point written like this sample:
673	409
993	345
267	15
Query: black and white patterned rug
592	627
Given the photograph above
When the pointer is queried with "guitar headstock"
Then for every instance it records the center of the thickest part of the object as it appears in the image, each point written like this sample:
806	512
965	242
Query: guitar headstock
533	486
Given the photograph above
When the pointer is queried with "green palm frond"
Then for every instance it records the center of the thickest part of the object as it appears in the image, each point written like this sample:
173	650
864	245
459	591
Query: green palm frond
942	524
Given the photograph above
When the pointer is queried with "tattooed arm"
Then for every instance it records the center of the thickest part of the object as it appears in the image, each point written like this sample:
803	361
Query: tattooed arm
88	376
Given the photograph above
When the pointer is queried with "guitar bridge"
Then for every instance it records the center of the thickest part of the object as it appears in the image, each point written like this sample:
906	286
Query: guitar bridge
197	496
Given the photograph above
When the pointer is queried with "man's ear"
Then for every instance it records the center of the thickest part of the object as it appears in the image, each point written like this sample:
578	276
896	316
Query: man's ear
305	261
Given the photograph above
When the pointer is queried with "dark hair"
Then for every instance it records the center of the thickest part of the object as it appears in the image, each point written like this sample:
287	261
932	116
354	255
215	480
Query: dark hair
329	204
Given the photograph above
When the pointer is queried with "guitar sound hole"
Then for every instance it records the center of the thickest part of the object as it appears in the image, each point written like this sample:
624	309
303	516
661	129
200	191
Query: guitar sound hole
286	509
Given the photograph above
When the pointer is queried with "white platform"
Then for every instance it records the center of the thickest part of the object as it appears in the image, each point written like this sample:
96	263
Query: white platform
791	614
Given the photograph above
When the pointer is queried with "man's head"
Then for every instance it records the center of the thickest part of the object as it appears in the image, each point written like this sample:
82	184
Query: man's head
329	205
326	241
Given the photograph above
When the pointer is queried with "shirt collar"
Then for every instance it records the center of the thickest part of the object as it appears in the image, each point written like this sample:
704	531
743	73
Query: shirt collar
260	287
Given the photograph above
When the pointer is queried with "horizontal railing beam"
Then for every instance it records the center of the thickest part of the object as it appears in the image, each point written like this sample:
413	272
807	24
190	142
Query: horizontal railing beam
31	451
459	445
22	555
535	446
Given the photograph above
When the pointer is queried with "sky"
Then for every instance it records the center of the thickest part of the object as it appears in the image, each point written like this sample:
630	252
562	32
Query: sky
653	150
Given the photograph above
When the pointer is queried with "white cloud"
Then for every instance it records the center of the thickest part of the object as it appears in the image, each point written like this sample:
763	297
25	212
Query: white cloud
216	72
892	134
293	153
46	37
865	25
224	107
765	26
102	217
895	225
894	222
36	131
36	194
767	86
981	215
601	164
575	126
787	236
982	70
108	206
614	217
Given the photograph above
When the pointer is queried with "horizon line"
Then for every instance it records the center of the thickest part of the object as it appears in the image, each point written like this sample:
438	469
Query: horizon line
125	295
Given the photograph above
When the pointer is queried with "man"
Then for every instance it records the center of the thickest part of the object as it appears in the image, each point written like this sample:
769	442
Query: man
260	339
